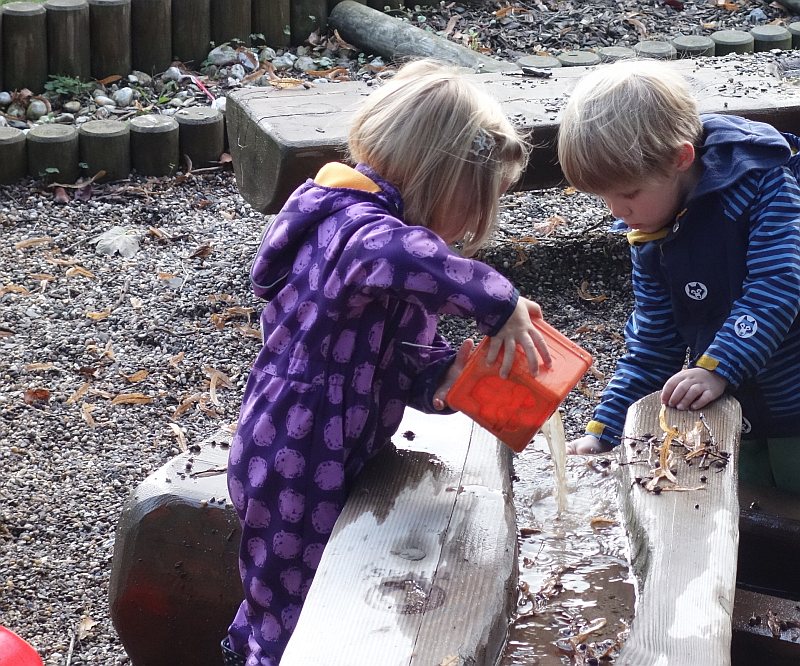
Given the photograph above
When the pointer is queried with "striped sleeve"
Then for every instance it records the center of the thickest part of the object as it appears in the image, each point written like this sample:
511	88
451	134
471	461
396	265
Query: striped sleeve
654	353
770	300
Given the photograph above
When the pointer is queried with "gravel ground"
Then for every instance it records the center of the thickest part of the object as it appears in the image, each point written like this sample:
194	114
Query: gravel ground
112	365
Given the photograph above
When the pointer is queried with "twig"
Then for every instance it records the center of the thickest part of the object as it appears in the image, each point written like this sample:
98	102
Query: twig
71	648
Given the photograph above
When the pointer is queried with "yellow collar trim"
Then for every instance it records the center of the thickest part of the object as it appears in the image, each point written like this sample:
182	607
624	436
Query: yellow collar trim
635	237
336	174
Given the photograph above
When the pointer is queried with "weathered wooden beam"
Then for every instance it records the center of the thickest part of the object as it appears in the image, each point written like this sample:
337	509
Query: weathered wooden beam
421	566
374	31
278	138
683	542
764	630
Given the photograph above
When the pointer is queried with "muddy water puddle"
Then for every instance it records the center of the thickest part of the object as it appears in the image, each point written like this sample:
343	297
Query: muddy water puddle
574	574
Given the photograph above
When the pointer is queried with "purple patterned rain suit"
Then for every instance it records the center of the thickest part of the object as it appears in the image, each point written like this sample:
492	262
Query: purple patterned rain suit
350	339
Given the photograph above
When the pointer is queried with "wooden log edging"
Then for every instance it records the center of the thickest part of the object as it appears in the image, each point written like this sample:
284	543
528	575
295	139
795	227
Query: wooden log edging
683	543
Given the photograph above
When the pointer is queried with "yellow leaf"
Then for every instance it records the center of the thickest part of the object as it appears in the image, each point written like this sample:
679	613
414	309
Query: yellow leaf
32	242
132	399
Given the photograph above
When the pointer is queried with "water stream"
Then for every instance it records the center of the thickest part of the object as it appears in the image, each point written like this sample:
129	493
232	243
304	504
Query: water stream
574	573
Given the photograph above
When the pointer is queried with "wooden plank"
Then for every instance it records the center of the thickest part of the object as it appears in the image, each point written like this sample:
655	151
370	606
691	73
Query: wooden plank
421	563
683	544
279	138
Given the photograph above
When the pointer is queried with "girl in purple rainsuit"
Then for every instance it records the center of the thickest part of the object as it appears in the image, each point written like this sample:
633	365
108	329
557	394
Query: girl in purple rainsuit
356	269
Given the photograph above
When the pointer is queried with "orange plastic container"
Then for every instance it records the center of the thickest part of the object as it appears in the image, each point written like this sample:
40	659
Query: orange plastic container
16	652
514	409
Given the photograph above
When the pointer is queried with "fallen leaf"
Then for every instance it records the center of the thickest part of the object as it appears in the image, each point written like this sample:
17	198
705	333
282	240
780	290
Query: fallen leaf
601	521
583	292
60	196
132	399
186	405
32	242
36	395
79	393
201	252
42	277
177	359
86	413
248	331
180	435
138	376
99	316
39	367
13	289
81	271
217	378
450	661
117	239
136	303
86	624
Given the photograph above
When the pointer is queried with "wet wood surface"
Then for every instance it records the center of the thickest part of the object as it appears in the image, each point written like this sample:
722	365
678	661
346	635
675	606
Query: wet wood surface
421	566
280	137
683	542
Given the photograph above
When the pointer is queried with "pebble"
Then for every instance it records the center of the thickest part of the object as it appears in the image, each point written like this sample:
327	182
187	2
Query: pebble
123	97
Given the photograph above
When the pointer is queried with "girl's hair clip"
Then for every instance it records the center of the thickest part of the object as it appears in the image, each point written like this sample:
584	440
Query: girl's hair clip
482	145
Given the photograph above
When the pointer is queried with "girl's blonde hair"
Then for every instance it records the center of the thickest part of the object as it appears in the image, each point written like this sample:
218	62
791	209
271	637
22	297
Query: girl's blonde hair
624	123
445	144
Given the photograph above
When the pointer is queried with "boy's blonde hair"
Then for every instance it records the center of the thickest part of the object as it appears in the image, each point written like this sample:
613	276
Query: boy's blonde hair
624	123
444	143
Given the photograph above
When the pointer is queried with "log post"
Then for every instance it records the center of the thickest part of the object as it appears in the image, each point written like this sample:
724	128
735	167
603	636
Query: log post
154	144
110	36
24	44
201	134
151	35
67	46
271	18
105	146
684	537
230	19
376	32
53	152
306	16
191	31
13	155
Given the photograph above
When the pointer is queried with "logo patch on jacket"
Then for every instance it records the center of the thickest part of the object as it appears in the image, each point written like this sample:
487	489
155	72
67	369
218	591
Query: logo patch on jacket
696	290
745	326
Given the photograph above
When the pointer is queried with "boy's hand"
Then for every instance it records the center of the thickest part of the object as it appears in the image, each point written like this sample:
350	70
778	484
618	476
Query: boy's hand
452	373
693	388
587	444
518	329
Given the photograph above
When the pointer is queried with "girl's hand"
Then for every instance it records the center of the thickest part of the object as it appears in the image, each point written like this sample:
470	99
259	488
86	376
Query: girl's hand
587	444
693	388
518	330
452	373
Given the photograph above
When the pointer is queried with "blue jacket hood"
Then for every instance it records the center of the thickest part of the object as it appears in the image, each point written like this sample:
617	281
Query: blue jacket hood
732	146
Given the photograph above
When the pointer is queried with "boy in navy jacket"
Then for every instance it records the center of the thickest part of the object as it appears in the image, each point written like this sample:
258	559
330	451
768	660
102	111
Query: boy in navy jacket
711	208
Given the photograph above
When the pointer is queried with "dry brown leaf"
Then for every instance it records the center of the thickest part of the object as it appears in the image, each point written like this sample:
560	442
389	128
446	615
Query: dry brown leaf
550	224
138	376
132	399
79	270
166	276
583	292
86	413
450	661
217	378
79	393
86	624
248	331
39	367
32	242
42	277
176	360
99	316
30	396
186	405
282	83
13	289
601	521
639	26
201	252
180	435
218	321
238	311
160	235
